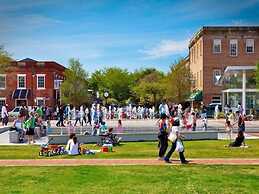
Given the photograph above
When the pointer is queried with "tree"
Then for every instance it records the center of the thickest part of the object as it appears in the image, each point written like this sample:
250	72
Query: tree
257	75
178	82
150	89
115	80
5	59
74	90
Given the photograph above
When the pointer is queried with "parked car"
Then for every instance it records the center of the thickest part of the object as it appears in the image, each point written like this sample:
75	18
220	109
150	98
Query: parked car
15	112
211	109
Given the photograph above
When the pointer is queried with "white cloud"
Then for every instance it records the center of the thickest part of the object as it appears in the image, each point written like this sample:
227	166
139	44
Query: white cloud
166	48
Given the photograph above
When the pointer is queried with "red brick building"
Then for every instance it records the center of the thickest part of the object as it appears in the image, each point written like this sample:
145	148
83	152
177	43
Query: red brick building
213	49
29	82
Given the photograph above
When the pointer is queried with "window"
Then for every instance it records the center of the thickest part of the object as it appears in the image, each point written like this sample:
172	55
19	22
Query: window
2	81
249	45
216	99
40	81
233	47
21	81
40	101
2	102
216	46
57	84
216	76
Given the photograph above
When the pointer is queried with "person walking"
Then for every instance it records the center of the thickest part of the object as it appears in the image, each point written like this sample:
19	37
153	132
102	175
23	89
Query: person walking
4	115
177	143
77	117
162	136
60	117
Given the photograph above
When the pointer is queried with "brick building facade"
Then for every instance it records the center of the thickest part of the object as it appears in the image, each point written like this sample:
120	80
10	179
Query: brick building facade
212	49
29	82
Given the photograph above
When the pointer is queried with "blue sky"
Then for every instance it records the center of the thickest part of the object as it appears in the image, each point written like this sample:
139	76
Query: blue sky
125	33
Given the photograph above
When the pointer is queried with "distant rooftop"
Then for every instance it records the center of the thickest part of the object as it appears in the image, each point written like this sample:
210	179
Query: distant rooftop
221	28
27	60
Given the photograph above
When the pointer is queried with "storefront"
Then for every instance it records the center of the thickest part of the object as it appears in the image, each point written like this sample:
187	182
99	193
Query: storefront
239	86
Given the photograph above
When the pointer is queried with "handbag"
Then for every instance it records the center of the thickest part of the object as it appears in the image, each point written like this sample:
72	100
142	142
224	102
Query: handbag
179	146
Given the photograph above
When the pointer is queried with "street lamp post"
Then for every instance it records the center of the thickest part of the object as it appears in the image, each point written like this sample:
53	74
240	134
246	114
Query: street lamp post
105	95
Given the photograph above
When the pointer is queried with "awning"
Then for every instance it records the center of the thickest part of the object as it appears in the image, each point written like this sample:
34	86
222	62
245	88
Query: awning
196	96
20	94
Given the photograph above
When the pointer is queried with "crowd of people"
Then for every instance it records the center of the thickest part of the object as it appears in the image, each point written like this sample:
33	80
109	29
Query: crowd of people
30	123
96	113
36	120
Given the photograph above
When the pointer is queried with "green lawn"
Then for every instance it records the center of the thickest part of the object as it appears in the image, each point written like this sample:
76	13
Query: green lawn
194	149
130	179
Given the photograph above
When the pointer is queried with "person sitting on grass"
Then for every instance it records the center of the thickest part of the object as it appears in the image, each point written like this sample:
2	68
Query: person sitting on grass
73	146
112	138
239	140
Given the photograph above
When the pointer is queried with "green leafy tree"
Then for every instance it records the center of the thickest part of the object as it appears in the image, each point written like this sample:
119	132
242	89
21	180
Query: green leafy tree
150	89
5	59
178	82
74	90
115	80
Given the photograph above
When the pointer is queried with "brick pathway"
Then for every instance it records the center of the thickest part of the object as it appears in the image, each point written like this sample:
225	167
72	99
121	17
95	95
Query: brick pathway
115	162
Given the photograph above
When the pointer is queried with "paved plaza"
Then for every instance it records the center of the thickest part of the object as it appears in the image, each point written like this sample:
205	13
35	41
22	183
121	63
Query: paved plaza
140	126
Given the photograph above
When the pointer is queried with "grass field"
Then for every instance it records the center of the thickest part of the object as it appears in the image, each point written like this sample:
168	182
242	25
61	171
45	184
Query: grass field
130	179
194	149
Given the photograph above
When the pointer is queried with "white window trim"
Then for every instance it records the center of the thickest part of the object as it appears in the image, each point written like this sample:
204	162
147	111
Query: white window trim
58	80
41	88
253	46
21	75
40	98
216	70
236	40
3	75
220	50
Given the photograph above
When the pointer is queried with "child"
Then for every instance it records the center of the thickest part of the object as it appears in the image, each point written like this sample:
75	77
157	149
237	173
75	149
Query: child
229	129
70	128
119	126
